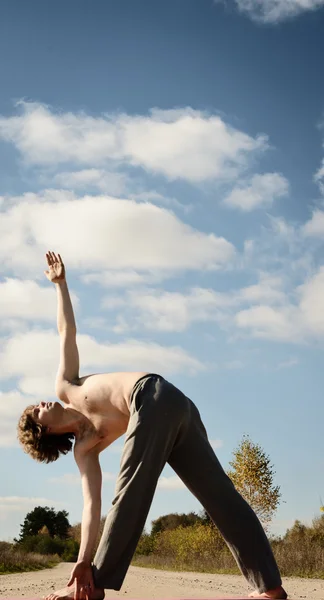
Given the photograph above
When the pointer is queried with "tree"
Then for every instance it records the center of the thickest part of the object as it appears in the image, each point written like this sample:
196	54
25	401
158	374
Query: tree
174	520
253	476
206	518
61	524
296	533
56	523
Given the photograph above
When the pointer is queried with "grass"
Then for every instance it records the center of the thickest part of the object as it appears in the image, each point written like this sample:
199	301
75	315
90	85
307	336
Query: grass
198	566
201	549
198	548
13	560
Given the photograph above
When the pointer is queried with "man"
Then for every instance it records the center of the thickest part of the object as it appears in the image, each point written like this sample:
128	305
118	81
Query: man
161	425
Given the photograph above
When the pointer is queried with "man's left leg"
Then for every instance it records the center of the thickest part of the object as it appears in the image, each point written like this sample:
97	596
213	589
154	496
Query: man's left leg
158	416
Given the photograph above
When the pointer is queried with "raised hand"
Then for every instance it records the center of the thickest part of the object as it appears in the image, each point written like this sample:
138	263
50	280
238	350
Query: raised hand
56	269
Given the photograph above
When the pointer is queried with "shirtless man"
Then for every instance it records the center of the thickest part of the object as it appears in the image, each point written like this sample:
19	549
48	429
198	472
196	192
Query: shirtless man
161	425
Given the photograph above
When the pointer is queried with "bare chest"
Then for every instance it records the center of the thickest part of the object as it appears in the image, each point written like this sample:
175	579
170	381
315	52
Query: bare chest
105	400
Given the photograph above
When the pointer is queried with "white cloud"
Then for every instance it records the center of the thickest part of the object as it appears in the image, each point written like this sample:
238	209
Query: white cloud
319	177
170	483
12	404
269	289
315	226
183	143
113	183
297	322
267	322
156	309
273	11
259	192
18	503
270	309
281	248
32	357
169	311
96	323
25	300
95	232
123	278
157	198
137	355
312	302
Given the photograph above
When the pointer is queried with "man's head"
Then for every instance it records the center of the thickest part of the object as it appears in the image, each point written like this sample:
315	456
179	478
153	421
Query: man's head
39	432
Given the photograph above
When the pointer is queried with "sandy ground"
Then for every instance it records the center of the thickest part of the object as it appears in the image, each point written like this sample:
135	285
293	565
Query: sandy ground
150	583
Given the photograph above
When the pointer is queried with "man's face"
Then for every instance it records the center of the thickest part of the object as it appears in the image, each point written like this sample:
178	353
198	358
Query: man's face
48	414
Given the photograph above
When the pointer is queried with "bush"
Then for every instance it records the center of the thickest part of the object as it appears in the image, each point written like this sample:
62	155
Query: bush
15	560
71	551
175	520
194	545
66	549
146	545
199	547
300	552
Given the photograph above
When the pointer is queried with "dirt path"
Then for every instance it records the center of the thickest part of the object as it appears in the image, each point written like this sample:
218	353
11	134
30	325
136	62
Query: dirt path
149	583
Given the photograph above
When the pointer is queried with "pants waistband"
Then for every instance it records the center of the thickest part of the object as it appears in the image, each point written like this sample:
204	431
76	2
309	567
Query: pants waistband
141	382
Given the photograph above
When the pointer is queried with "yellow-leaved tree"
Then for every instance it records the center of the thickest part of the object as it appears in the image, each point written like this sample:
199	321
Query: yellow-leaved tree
253	476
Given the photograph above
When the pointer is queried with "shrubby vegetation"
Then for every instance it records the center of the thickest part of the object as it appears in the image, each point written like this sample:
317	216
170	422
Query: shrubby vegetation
45	540
13	559
180	541
300	552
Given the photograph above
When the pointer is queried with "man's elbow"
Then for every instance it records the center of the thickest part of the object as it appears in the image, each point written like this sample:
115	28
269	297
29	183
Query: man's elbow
65	330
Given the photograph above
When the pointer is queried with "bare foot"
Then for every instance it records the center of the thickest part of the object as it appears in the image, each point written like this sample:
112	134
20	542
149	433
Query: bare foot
67	593
277	594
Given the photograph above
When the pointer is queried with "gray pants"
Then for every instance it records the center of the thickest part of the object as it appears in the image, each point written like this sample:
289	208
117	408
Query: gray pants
165	426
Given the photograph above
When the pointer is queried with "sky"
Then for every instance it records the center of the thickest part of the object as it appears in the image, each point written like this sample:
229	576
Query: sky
173	153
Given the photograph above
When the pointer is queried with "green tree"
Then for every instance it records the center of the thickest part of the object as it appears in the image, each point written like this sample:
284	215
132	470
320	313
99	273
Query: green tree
56	523
61	524
253	476
174	520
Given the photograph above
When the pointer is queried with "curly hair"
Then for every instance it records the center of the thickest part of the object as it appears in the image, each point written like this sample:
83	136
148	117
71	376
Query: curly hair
40	445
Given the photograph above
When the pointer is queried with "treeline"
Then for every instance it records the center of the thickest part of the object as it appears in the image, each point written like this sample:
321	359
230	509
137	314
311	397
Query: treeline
181	541
185	542
46	538
175	543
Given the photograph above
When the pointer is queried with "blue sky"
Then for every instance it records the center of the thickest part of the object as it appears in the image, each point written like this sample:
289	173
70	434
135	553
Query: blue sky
173	154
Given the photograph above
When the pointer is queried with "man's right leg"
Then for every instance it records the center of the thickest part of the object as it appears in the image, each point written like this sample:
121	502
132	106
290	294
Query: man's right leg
197	465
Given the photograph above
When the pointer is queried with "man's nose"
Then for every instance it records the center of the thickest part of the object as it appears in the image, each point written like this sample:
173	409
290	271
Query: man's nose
42	404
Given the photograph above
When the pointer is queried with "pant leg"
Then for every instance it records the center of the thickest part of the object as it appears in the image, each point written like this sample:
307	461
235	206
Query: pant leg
196	464
158	416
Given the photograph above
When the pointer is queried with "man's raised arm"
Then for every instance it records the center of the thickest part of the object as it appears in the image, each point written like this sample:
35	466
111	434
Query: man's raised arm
68	371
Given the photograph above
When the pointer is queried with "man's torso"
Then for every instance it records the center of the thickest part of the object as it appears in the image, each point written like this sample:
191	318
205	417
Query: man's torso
104	399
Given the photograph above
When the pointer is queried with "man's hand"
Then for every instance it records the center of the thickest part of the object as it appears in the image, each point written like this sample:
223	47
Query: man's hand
56	270
83	578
